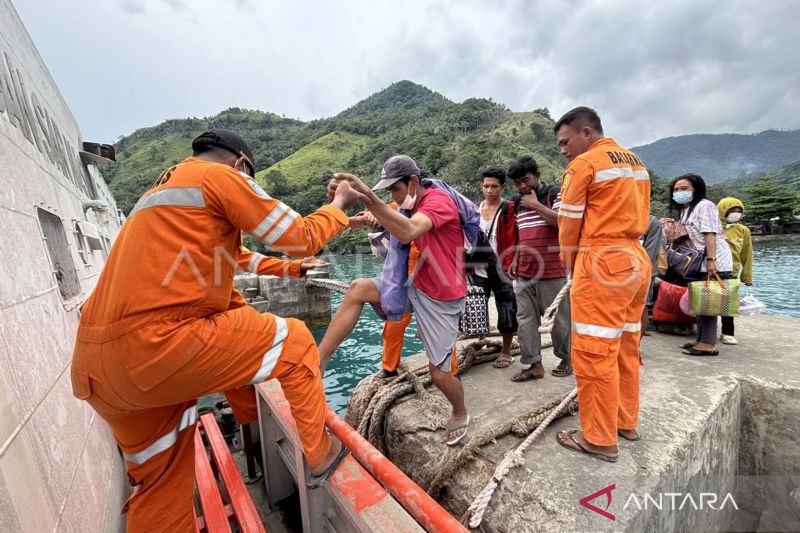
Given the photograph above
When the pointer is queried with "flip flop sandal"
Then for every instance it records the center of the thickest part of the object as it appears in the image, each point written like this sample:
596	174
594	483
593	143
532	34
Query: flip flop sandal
638	437
525	375
580	448
687	345
503	361
695	351
562	371
450	429
313	482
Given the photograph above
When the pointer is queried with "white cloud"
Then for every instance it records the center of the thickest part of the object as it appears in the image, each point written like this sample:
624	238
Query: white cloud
650	69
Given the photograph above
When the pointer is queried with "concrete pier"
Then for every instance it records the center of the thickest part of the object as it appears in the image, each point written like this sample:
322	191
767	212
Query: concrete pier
288	297
710	425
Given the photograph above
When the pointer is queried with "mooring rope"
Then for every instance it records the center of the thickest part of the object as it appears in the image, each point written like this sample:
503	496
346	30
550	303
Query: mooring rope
520	426
330	284
512	459
549	317
380	396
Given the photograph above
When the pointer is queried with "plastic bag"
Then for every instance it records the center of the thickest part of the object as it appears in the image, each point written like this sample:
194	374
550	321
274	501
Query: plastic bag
684	304
749	305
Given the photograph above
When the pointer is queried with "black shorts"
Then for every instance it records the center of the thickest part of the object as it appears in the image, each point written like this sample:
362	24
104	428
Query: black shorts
504	300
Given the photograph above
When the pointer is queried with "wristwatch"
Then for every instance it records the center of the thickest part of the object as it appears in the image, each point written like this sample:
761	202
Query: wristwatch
710	259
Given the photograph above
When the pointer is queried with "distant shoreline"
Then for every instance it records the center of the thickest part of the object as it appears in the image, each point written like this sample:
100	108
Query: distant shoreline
788	238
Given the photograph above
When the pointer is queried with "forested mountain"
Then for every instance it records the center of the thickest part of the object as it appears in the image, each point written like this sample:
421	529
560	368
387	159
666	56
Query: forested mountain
723	156
785	175
450	140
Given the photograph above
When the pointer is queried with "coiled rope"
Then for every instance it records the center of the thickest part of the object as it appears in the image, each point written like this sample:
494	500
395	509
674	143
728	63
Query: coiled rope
515	458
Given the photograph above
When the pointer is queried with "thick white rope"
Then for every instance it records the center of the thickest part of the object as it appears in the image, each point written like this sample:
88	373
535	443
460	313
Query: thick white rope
549	316
330	284
511	459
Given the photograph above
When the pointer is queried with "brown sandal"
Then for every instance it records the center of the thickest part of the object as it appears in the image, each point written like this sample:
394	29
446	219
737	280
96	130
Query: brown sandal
563	370
504	361
526	375
578	447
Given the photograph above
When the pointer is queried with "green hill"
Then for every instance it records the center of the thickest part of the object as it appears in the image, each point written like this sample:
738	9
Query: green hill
328	153
450	140
143	155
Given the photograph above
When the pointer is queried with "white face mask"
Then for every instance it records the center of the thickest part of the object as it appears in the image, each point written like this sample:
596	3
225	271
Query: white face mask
409	202
734	217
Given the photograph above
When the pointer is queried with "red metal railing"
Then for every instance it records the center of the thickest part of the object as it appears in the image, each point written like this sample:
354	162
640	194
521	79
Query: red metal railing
416	501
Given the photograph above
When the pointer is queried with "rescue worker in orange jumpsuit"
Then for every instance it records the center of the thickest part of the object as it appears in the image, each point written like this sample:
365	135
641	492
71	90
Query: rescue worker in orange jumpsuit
165	325
605	204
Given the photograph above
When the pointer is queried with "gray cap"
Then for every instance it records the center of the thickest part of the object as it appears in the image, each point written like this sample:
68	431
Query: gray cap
396	167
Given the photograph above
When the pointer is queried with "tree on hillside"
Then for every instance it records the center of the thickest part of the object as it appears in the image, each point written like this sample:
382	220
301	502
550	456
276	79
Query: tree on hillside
277	185
766	199
659	195
538	131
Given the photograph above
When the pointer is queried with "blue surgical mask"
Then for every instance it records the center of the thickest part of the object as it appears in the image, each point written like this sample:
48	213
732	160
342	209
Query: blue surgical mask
682	197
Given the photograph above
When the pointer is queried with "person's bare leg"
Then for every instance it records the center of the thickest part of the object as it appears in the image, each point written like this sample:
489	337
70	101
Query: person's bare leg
508	338
361	291
454	392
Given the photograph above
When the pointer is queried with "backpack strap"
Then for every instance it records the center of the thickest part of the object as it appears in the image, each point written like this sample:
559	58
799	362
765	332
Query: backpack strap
494	220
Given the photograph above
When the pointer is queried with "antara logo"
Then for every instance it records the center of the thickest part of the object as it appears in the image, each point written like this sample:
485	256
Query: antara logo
680	500
663	500
602	512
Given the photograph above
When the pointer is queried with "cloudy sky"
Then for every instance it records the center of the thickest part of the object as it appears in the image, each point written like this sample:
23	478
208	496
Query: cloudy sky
651	69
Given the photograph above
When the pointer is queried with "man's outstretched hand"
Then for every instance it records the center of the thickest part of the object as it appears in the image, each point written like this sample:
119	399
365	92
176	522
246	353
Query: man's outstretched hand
365	193
363	220
311	262
345	196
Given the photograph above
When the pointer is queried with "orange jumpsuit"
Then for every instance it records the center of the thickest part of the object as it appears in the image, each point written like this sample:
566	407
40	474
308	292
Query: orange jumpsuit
605	203
165	326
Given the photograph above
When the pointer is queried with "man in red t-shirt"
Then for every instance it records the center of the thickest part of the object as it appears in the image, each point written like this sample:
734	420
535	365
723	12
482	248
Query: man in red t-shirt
439	285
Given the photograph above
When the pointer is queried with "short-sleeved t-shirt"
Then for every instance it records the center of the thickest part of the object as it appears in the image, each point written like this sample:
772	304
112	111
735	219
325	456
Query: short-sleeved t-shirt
440	268
704	218
538	240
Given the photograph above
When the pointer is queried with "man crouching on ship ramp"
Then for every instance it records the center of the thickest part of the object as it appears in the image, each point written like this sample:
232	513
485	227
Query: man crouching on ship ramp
165	326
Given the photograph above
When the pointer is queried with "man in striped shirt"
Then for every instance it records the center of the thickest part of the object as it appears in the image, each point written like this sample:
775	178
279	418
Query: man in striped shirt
537	269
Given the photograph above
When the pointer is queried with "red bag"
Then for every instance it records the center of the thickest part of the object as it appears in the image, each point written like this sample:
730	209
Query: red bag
668	304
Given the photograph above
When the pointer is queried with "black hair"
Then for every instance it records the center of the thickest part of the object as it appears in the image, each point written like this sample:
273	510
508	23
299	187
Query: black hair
583	116
211	150
422	175
522	166
494	172
699	186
